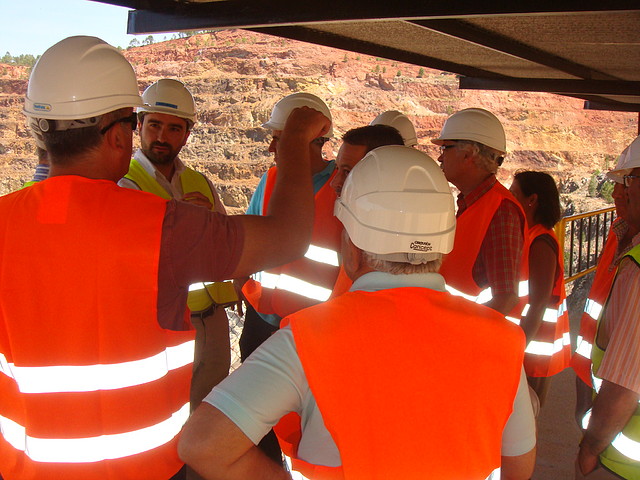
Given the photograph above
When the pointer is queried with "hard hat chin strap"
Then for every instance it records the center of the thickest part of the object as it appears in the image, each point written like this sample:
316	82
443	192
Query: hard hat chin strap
46	125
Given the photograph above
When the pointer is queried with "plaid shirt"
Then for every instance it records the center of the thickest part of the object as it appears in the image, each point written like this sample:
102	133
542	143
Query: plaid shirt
498	262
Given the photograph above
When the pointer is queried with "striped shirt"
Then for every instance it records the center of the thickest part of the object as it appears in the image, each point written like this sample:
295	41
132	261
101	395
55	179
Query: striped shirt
621	362
498	262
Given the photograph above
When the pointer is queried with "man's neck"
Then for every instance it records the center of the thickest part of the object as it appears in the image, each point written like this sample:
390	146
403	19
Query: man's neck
166	169
473	182
87	167
317	164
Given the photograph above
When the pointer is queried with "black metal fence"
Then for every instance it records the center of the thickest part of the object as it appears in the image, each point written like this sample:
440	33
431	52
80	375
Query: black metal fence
583	237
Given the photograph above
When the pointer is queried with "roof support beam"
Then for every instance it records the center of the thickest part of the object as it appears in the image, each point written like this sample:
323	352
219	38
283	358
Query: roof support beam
574	87
612	107
168	16
500	43
305	34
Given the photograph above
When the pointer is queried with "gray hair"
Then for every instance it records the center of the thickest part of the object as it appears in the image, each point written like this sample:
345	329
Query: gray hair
403	263
486	158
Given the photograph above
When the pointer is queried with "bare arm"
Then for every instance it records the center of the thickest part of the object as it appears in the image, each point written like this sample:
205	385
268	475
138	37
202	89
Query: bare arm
285	232
612	409
519	437
503	302
519	467
542	272
217	449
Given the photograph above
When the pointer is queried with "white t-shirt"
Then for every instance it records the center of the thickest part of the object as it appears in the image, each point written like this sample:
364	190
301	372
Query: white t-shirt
272	383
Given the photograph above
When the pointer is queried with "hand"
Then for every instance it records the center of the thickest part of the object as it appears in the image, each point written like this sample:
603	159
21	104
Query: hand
585	462
197	198
307	122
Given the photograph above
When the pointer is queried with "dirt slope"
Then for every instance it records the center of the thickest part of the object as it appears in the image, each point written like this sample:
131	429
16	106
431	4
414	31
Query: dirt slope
237	76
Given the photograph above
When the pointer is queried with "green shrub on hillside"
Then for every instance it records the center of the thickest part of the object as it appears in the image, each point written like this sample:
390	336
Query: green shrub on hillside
606	191
592	189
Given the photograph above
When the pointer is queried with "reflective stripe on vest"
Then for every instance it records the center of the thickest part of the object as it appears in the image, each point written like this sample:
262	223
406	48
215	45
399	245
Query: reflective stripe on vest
293	285
547	349
94	449
471	228
89	378
592	308
297	285
584	348
485	295
322	255
581	360
309	279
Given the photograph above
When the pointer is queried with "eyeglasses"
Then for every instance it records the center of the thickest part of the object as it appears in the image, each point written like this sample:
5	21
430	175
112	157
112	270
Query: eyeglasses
627	179
132	119
443	148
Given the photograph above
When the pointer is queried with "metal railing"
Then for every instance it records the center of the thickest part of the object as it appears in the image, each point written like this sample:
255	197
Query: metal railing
583	237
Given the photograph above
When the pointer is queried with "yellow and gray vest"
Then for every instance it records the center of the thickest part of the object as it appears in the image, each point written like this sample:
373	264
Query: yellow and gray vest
622	456
202	296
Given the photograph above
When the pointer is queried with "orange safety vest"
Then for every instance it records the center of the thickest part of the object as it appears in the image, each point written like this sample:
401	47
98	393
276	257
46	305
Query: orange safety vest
549	351
91	387
309	280
471	228
387	419
600	288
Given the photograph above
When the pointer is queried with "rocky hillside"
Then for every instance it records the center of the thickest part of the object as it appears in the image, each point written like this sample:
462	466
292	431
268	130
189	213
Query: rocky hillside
237	76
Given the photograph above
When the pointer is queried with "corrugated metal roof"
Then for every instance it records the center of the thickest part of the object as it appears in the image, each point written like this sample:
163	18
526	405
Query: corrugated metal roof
587	49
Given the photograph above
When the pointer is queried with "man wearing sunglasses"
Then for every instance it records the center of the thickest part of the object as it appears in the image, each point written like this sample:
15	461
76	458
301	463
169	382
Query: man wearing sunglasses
94	377
610	447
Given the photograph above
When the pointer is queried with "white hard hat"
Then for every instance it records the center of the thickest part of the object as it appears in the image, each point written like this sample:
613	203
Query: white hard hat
474	124
284	107
80	78
400	122
627	161
396	199
171	97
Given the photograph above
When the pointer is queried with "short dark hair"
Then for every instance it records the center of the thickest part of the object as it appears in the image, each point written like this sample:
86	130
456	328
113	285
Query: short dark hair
373	136
548	212
63	145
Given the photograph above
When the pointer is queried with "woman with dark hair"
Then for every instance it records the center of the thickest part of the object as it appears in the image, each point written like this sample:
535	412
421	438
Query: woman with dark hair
545	320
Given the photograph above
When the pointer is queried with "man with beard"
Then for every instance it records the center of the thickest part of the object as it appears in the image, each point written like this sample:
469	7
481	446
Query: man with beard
165	122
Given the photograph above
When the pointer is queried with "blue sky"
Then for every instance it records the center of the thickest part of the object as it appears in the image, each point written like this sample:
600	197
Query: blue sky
32	26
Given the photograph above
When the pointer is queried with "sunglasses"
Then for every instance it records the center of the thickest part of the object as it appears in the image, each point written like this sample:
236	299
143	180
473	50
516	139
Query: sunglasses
627	179
132	119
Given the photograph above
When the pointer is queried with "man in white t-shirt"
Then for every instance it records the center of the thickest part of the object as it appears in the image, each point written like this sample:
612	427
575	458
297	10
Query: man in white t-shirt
368	402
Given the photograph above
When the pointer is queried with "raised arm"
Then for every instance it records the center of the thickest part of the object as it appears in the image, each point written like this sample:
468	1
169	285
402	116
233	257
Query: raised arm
285	232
